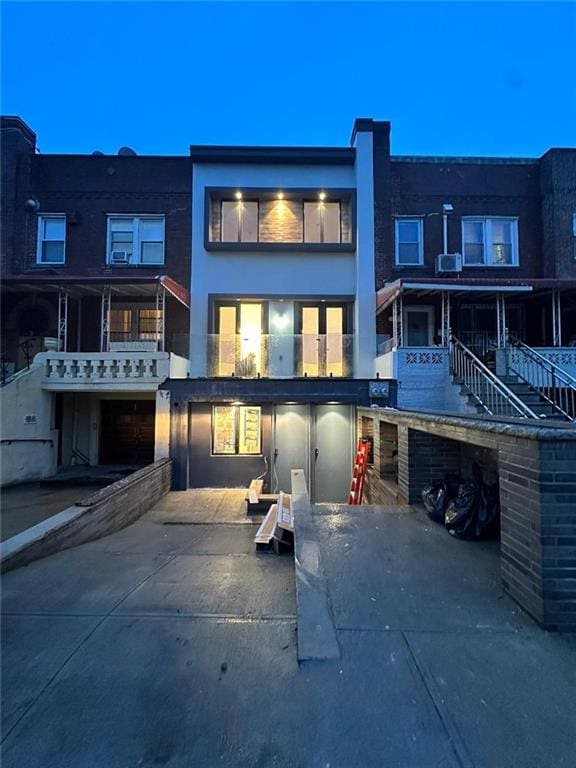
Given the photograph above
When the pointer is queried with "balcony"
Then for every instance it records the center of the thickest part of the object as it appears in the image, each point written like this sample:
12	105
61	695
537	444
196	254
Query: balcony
257	219
108	371
281	356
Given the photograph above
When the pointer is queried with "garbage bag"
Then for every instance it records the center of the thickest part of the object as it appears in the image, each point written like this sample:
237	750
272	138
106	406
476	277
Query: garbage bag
475	512
435	499
461	515
438	494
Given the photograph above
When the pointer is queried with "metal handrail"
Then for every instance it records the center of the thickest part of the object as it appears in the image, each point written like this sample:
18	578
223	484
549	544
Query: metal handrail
552	383
490	392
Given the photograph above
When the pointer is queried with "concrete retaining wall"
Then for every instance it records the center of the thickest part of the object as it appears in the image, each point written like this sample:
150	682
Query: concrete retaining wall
106	511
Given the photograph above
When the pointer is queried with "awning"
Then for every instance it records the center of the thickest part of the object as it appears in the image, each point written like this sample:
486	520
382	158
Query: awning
426	286
79	285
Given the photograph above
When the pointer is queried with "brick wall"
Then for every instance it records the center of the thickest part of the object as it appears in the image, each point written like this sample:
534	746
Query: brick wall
108	510
536	469
87	188
558	189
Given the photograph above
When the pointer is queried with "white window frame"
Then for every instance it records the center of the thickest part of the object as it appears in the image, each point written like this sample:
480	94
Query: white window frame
42	217
488	241
407	219
136	218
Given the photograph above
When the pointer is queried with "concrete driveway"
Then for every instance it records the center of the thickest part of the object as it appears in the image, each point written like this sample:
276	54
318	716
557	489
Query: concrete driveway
173	643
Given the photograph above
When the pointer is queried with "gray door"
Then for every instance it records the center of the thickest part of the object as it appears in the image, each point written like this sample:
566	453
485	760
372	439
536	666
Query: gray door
291	445
332	438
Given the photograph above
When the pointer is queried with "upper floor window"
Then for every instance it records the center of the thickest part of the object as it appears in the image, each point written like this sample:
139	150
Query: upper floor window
490	242
239	221
322	222
409	242
51	239
136	239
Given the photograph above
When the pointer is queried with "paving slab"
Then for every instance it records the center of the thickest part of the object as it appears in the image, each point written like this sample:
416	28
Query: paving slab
203	505
147	692
230	585
510	697
76	582
154	536
34	648
390	568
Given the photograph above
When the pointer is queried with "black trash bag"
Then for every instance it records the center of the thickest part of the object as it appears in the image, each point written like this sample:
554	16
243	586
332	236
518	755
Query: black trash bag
435	499
438	494
461	516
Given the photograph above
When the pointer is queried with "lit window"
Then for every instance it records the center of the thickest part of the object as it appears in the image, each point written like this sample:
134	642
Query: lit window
490	242
149	323
409	242
236	430
136	239
322	222
51	239
239	221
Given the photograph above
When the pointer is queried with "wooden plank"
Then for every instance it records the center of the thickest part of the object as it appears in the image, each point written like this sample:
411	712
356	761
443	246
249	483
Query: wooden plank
265	533
254	491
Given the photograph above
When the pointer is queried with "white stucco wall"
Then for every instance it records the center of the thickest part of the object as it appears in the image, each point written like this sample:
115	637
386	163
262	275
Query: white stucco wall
270	274
365	277
26	457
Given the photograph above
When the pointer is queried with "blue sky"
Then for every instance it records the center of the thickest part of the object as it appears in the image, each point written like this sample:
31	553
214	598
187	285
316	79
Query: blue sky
458	78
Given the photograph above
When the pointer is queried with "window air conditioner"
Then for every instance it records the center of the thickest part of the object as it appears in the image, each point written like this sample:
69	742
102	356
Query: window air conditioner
449	262
120	257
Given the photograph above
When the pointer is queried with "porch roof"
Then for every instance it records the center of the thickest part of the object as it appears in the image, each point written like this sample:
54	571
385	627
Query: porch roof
80	285
426	286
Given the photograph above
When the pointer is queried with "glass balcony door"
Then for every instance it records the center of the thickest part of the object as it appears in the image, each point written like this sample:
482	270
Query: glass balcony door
322	347
240	328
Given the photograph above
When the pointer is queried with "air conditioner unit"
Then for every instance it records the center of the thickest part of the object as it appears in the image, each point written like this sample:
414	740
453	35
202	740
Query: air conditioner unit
120	257
448	262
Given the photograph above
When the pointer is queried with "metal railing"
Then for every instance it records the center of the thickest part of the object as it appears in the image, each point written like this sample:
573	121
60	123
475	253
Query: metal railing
488	391
552	383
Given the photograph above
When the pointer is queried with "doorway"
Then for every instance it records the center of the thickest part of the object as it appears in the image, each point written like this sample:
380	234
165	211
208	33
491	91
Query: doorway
322	329
127	431
419	326
332	432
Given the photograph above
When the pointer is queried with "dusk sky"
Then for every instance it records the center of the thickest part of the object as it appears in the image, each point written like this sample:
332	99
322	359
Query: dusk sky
457	78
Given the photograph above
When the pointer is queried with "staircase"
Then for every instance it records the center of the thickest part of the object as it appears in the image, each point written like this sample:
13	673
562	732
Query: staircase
509	396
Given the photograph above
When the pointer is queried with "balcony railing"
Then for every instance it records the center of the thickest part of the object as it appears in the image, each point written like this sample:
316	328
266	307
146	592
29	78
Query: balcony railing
280	355
108	370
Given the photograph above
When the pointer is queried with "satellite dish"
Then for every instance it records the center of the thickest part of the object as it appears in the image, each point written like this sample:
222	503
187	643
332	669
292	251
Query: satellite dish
126	152
97	152
32	205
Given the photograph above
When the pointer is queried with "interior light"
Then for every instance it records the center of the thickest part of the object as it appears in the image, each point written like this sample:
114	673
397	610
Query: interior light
238	195
322	195
237	402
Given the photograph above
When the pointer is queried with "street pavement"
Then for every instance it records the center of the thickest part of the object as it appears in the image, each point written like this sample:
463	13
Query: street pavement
173	643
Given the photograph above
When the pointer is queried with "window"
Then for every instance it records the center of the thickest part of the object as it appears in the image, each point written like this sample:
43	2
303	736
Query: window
490	242
136	239
236	430
239	221
409	242
51	239
322	222
133	323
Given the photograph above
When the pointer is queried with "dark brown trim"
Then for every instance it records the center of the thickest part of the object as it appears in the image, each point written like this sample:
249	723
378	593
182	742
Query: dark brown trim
271	155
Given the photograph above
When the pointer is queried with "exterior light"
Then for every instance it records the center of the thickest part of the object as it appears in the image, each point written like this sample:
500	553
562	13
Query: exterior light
238	195
447	208
322	196
280	195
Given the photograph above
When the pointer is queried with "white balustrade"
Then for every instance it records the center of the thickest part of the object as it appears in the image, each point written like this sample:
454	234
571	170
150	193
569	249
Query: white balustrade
108	370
